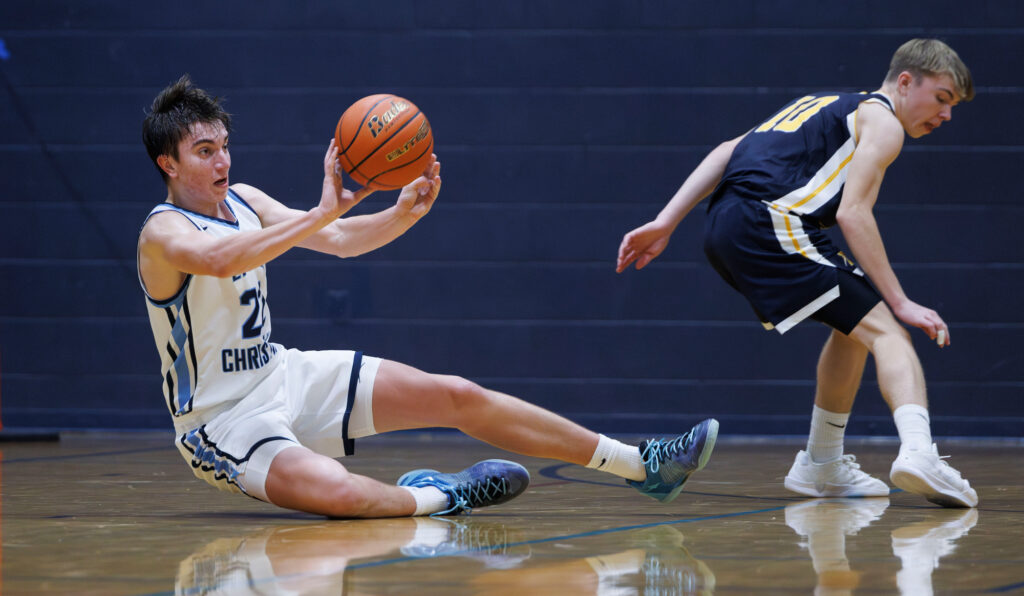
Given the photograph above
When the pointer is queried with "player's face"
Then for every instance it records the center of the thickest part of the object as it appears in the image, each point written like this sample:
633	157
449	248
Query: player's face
927	103
201	169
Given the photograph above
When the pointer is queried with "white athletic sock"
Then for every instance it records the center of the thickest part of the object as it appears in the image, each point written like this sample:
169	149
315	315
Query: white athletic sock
618	458
914	426
825	441
428	499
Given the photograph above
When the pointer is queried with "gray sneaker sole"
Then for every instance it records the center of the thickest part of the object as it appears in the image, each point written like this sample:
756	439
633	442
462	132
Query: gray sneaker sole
933	489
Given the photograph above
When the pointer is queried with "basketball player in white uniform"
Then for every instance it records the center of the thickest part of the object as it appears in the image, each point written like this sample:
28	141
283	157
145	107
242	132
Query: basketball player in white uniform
816	162
259	419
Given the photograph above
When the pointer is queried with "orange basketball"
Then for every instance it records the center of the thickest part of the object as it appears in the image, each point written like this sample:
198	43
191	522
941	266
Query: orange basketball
384	141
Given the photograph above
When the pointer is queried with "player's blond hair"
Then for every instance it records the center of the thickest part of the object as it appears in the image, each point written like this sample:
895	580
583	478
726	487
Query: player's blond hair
931	57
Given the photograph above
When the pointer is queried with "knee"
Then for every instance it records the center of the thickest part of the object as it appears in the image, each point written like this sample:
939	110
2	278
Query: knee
464	399
896	336
463	393
880	330
308	482
894	350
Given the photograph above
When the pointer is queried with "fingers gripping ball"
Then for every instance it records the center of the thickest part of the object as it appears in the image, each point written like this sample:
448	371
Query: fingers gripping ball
384	142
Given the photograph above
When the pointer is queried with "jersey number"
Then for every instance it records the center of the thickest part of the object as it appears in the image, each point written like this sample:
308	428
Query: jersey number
250	328
791	118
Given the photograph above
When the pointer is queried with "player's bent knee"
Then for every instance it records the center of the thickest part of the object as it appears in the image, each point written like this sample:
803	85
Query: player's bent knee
464	394
880	325
465	403
301	479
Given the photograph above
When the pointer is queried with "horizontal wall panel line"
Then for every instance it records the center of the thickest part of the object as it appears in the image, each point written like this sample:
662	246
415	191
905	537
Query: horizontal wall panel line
326	262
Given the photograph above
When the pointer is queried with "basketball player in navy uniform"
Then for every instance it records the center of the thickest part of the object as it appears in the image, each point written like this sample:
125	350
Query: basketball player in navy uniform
817	162
255	418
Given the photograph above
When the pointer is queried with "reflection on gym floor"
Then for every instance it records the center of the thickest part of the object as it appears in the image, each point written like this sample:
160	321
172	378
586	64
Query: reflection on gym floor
79	518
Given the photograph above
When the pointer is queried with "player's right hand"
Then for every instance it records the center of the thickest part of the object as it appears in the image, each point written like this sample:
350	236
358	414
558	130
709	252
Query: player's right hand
925	319
334	198
642	245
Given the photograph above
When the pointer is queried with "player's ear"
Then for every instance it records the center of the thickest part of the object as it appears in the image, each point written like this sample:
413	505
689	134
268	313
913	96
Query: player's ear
167	164
904	80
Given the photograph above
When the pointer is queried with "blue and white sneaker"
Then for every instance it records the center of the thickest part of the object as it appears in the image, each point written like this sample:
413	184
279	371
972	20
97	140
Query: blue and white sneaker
670	462
486	483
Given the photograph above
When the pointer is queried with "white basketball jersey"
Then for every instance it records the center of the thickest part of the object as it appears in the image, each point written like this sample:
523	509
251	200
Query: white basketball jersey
213	336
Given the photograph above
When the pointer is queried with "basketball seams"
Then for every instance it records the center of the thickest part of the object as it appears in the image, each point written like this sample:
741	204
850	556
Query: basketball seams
387	140
349	162
429	149
359	128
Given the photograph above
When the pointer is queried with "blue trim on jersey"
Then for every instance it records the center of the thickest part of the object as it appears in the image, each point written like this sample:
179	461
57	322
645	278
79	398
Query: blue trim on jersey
180	338
238	198
173	299
169	207
162	208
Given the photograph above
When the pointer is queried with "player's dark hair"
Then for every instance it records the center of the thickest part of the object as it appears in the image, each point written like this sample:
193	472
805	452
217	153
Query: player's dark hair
174	113
931	57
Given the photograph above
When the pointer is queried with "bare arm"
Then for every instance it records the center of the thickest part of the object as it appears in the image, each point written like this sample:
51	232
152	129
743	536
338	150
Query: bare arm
880	141
360	234
170	247
645	243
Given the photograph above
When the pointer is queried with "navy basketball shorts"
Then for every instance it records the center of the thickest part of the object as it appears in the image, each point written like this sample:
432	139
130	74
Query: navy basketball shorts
786	269
322	400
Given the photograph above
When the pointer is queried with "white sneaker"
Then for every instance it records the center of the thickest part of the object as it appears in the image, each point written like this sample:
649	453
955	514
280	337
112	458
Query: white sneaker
925	473
840	477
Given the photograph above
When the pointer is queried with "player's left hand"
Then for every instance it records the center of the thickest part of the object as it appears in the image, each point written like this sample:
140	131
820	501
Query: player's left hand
925	319
418	196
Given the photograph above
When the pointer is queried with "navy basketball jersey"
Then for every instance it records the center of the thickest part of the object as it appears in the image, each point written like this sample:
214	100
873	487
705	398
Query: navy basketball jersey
796	161
213	336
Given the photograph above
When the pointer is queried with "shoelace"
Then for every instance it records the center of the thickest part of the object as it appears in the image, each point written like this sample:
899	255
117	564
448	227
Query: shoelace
474	494
850	462
658	450
948	469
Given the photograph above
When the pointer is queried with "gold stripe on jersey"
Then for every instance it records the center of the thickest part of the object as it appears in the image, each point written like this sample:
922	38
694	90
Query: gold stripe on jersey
826	182
789	231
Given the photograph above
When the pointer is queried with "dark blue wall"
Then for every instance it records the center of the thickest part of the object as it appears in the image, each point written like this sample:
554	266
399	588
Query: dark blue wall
561	125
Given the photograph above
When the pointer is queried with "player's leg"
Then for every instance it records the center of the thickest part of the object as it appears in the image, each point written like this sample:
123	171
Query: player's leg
822	470
307	481
840	369
323	399
918	468
900	377
407	398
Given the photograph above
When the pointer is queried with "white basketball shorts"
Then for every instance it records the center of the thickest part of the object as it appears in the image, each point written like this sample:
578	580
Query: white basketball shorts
322	400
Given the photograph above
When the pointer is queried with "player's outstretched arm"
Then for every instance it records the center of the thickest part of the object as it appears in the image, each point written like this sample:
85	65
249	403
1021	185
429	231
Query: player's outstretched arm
361	234
880	141
283	228
644	244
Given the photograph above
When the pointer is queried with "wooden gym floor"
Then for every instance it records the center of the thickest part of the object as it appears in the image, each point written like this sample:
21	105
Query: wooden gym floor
122	514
